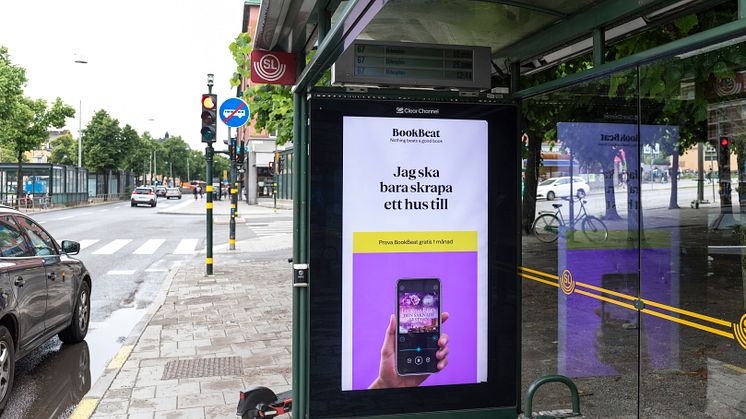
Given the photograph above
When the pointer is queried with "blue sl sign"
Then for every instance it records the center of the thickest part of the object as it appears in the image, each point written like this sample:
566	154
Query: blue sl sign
234	112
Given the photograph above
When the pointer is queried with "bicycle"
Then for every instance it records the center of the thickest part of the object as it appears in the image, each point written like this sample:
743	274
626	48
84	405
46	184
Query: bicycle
546	226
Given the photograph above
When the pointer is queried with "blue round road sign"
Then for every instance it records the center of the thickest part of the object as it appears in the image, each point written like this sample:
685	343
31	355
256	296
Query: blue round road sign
234	112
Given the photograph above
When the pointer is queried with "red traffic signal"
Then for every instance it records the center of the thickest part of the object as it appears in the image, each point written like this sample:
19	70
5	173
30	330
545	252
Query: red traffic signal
724	141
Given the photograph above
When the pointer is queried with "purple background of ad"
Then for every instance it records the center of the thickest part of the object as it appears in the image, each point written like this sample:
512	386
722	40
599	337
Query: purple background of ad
374	300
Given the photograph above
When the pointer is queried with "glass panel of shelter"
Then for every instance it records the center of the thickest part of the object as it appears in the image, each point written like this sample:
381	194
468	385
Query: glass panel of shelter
693	271
580	265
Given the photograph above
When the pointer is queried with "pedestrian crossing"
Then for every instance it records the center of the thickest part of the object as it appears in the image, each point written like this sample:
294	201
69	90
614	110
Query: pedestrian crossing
140	247
272	228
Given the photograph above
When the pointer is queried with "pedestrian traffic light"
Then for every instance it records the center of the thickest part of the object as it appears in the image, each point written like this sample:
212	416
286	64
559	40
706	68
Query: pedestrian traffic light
209	117
232	149
240	153
724	154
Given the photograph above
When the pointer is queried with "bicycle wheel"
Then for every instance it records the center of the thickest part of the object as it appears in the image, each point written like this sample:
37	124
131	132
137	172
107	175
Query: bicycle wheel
546	228
594	229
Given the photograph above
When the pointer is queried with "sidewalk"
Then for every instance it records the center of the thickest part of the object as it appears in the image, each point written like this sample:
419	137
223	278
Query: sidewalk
211	337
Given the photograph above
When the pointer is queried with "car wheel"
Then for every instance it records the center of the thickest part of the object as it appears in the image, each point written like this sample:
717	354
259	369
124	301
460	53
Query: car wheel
7	366
81	315
550	196
581	193
133	204
154	204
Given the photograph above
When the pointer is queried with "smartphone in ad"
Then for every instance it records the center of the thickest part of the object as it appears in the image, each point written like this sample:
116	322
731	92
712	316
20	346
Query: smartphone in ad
418	325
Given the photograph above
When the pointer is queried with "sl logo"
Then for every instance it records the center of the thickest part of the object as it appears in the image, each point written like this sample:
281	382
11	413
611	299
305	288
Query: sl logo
739	331
566	282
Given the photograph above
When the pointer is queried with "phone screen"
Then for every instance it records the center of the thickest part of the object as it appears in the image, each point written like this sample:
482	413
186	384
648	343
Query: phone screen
418	325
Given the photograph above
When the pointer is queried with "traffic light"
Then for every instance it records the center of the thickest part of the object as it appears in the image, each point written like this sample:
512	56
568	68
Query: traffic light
724	171
232	149
209	117
724	154
240	153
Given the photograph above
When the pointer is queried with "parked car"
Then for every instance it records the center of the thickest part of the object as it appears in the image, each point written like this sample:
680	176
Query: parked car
144	195
160	190
173	193
45	292
560	187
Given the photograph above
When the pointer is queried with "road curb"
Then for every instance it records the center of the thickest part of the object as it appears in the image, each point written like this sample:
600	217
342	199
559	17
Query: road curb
88	404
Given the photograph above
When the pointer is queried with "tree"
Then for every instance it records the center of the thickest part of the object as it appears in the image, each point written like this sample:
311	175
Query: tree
64	150
27	127
175	153
12	80
100	142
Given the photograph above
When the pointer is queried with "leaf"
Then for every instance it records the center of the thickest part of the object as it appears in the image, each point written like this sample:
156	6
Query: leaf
687	23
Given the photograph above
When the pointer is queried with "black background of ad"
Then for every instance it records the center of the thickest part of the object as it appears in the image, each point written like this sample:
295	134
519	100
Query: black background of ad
326	141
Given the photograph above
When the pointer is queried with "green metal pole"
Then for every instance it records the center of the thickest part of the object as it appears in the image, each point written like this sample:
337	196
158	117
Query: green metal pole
304	184
208	187
297	179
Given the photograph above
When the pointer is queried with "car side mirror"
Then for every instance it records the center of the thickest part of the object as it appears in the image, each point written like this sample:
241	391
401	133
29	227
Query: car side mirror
70	247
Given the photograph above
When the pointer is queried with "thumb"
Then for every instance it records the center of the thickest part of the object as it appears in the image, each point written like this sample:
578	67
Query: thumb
389	346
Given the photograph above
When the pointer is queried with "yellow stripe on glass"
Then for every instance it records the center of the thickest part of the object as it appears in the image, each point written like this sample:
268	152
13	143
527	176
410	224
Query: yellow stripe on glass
416	241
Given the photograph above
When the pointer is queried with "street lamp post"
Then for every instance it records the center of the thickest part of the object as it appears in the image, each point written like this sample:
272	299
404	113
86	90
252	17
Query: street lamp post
79	60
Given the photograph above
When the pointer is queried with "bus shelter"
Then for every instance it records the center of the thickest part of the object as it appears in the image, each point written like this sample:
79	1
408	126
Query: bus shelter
625	275
43	184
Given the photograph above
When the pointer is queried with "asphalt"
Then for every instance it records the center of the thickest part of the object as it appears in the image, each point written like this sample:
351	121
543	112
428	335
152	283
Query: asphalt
129	252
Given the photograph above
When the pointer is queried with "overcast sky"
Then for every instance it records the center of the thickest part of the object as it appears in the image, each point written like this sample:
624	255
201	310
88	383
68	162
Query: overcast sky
147	59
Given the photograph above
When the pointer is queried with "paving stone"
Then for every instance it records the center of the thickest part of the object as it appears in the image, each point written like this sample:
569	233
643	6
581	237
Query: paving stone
152	404
190	413
204	399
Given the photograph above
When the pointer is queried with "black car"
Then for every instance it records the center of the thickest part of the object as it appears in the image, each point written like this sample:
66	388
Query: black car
160	191
43	292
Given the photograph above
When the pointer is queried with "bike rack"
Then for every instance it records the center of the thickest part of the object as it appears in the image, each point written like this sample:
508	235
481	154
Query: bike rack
575	397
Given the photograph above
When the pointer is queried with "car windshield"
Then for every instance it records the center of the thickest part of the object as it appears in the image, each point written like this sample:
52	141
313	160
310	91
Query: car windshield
173	189
140	191
547	182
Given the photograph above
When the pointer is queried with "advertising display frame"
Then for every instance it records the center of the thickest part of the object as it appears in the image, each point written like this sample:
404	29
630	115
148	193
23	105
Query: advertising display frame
497	394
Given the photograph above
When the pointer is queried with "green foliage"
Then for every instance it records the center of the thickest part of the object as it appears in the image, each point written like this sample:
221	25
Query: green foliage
197	165
64	150
29	121
174	150
12	80
219	165
271	105
102	139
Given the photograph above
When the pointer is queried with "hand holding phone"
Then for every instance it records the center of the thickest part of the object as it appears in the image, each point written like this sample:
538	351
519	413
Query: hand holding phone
388	376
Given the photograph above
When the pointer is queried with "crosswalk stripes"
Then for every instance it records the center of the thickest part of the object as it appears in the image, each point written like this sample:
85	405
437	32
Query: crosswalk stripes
87	243
149	247
271	228
144	247
186	247
112	247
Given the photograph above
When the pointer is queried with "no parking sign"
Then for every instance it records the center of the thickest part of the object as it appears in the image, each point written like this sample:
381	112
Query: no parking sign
234	112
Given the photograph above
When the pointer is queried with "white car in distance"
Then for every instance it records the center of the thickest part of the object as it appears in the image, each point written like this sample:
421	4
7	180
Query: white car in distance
173	193
561	187
144	195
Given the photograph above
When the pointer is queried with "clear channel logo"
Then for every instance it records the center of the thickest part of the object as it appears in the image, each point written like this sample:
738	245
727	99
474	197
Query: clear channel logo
400	110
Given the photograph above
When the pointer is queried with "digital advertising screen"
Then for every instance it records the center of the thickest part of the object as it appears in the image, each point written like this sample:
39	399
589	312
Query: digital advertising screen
404	195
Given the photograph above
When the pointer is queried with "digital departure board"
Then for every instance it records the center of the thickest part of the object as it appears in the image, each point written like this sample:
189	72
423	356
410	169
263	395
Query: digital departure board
408	64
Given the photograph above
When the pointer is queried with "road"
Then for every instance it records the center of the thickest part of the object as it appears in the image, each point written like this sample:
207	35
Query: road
128	252
653	196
